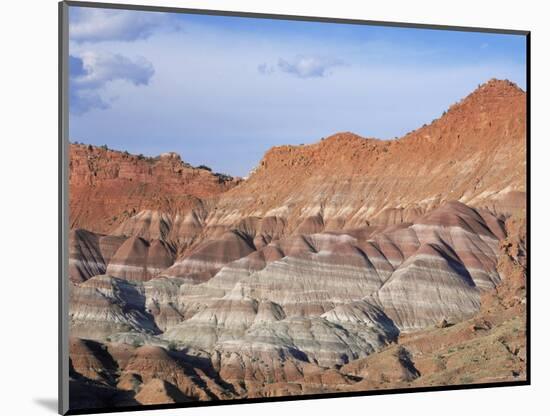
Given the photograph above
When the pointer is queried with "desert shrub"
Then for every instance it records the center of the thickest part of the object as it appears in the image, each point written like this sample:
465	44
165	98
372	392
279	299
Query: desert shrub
222	177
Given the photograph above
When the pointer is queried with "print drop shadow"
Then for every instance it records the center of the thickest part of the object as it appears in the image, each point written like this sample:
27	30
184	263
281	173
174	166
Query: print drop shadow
49	404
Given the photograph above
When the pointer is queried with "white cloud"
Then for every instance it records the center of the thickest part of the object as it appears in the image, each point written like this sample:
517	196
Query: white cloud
304	66
101	68
91	72
97	25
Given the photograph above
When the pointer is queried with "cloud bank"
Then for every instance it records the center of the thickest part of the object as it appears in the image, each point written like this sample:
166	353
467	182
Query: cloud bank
303	66
91	72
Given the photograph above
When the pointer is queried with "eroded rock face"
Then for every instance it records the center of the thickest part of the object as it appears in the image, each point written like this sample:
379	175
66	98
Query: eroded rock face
474	153
377	283
147	224
413	276
91	253
132	258
211	256
104	305
454	261
108	187
85	257
139	259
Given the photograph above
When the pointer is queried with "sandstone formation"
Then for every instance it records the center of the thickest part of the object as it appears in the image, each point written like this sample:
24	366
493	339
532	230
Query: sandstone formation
475	153
132	258
346	265
108	187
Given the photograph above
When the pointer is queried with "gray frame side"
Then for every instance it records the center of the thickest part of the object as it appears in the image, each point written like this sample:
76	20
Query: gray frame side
63	210
257	15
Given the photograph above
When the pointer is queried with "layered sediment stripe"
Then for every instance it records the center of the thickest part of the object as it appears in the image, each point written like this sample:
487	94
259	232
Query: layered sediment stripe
103	305
429	286
85	257
139	260
211	256
147	224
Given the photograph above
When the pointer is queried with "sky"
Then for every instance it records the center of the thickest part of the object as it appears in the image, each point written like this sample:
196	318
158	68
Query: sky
221	91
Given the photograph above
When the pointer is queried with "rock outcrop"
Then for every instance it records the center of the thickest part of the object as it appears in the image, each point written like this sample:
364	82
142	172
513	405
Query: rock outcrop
131	258
108	187
118	374
475	153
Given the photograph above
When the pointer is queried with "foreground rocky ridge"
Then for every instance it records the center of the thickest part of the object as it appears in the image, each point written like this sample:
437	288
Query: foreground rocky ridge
350	264
487	347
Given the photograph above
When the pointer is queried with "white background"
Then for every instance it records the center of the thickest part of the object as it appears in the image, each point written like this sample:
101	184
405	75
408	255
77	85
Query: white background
28	192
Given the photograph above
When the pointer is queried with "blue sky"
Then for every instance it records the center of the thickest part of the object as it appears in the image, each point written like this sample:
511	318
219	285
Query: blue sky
222	90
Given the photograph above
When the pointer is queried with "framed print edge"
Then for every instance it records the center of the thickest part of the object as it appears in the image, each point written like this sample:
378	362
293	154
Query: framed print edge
63	212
